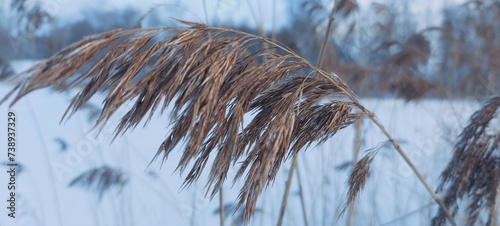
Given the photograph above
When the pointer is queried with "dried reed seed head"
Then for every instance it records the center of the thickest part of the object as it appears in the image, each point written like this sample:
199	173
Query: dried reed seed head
358	177
212	80
101	179
474	170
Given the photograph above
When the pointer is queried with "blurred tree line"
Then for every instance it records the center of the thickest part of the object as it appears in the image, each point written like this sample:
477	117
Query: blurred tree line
380	52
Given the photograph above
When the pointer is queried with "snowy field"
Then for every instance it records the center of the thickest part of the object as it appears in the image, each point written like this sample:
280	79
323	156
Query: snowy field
53	154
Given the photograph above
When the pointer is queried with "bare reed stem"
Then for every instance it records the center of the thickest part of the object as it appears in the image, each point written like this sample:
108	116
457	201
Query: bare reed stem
294	164
287	191
357	147
318	64
329	29
494	220
222	207
301	193
415	170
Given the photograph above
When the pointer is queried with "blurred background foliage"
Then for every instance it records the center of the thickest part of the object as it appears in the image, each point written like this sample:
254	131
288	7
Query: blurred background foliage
384	52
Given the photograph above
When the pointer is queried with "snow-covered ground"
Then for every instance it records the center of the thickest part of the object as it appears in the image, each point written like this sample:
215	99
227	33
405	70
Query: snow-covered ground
152	196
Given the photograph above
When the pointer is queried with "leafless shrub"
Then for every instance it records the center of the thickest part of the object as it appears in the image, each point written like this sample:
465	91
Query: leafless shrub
213	81
100	180
473	173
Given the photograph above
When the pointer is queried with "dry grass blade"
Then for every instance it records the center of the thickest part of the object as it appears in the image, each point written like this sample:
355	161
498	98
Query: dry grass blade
213	80
474	170
100	180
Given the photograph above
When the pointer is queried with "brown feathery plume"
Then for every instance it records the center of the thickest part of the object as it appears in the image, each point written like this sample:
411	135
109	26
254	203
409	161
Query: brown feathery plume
473	173
357	179
359	175
100	180
213	80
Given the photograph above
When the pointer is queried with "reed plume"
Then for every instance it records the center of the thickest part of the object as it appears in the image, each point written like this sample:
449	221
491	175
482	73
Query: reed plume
213	78
473	173
213	81
100	180
358	177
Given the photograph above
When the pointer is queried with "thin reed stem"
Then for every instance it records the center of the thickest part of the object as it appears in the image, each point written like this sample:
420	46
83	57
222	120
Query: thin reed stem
329	29
287	191
415	170
494	220
357	147
301	194
398	148
294	164
222	208
205	11
46	155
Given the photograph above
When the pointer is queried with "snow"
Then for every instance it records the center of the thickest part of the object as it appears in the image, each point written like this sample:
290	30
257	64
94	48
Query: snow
426	129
